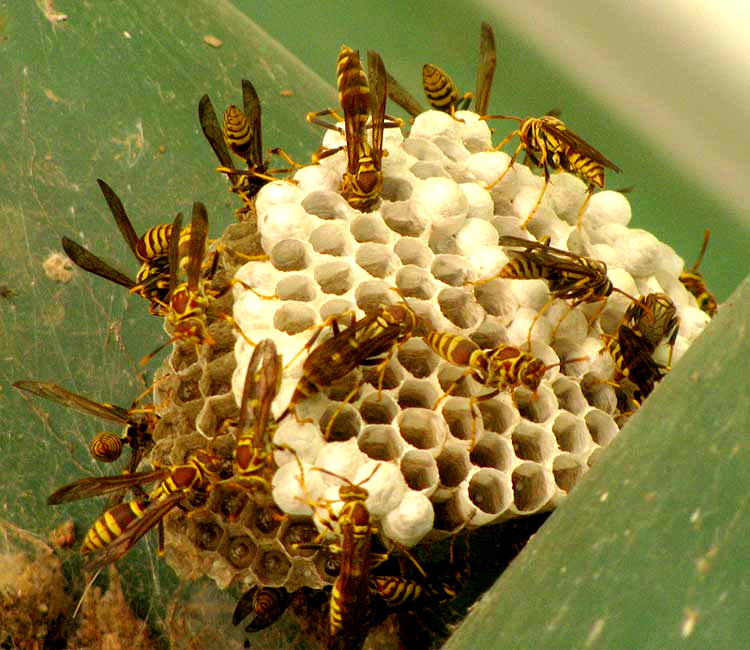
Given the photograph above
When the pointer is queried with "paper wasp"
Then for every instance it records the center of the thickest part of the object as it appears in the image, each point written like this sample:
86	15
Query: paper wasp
151	280
695	284
105	446
363	179
240	134
267	604
443	89
504	367
653	318
633	361
568	276
373	335
253	456
120	527
189	300
552	145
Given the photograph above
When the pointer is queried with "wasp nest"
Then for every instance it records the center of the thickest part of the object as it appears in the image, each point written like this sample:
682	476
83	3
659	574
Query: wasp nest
464	463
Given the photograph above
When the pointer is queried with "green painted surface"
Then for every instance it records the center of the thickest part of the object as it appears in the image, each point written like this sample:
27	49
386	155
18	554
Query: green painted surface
651	549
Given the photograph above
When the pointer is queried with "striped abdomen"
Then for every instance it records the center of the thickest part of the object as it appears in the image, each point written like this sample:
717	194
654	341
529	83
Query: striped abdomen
439	88
112	524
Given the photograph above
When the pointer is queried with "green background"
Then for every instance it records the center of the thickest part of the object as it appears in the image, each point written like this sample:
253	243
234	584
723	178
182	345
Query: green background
112	93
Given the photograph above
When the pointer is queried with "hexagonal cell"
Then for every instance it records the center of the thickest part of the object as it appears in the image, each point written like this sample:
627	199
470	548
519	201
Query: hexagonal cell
337	307
216	411
186	388
334	277
272	567
463	422
533	488
453	465
598	394
240	551
378	411
369	228
457	381
415	282
533	442
293	318
228	501
451	269
340	422
412	251
371	294
493	451
422	428
330	239
417	358
377	259
418	393
384	376
420	471
205	533
497	414
538	407
571	433
601	427
490	491
182	357
265	520
326	204
295	286
567	470
459	307
327	564
496	298
290	255
489	334
402	218
380	442
569	395
299	532
452	515
217	376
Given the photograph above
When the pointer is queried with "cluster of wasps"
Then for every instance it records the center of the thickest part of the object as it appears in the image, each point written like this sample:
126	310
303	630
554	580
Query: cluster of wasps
176	277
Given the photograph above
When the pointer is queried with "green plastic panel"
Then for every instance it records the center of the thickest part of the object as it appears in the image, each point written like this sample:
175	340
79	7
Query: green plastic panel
650	550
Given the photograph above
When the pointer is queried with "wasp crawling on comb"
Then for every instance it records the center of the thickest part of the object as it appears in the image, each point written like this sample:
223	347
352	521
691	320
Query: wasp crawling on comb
240	134
361	97
552	145
693	281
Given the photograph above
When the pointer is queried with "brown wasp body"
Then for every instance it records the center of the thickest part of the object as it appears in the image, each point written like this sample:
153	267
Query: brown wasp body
695	284
363	179
105	446
119	528
253	456
654	318
552	145
373	335
632	358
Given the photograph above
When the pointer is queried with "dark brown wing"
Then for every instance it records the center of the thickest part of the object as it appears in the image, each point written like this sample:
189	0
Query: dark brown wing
556	258
67	398
251	105
378	83
154	512
577	143
485	69
121	218
212	130
198	239
174	254
98	485
85	259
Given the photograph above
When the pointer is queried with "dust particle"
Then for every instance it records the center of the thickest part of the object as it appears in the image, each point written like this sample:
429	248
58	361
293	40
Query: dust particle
213	41
58	268
287	93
